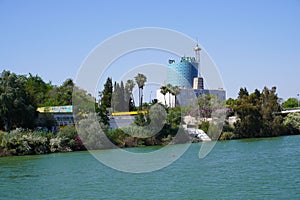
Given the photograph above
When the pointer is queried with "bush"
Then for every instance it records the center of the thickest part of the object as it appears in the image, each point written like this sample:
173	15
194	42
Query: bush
204	126
227	136
68	139
92	133
21	142
117	136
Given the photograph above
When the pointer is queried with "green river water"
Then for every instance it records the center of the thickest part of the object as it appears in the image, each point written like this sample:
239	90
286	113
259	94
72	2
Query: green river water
241	169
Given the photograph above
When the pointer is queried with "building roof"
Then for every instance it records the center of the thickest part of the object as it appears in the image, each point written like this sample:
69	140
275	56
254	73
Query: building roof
56	109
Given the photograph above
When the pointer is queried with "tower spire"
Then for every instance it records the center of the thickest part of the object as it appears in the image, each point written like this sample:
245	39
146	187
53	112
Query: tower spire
197	50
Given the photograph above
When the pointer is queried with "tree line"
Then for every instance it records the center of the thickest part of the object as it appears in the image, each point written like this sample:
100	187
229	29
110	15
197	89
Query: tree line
20	95
257	114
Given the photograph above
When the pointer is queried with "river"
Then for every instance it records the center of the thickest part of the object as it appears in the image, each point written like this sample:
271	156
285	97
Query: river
241	169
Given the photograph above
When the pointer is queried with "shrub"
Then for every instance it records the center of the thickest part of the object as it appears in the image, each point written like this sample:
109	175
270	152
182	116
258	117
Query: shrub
21	142
227	136
67	140
117	136
204	126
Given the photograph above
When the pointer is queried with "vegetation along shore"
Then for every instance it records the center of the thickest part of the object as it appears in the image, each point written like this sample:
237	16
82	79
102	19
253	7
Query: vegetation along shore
22	132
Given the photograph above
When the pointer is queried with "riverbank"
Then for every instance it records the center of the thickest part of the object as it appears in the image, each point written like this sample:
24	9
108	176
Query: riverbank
23	142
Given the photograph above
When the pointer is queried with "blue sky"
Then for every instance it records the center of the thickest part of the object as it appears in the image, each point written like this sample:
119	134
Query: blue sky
253	43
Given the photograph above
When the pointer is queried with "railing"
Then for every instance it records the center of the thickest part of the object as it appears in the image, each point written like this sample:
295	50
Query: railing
128	113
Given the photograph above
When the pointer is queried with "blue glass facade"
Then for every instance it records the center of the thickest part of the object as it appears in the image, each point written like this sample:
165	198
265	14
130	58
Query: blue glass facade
182	73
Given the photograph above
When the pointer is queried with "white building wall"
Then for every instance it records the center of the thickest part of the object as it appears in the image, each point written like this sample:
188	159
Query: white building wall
186	95
170	99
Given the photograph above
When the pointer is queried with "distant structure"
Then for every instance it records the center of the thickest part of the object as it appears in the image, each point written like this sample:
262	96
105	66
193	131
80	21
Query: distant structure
198	81
122	119
63	115
182	74
186	74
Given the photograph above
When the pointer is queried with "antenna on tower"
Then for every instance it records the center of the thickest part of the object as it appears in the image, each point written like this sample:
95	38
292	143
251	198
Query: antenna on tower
197	50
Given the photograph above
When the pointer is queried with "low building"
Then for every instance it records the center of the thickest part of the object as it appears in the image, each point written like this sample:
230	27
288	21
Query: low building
122	119
63	115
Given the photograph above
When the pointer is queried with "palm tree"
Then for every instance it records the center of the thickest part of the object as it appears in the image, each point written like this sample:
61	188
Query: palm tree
175	91
129	87
140	80
164	91
169	90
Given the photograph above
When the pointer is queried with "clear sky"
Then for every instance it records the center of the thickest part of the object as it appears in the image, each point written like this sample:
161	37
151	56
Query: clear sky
253	43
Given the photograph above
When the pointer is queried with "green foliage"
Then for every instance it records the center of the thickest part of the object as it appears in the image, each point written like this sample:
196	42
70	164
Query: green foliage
170	89
19	142
230	104
84	103
106	94
227	136
227	127
70	139
243	93
290	103
213	128
128	94
66	140
140	80
92	133
204	126
119	99
256	114
59	96
16	106
23	142
164	91
46	120
174	117
206	105
292	122
140	120
174	90
105	101
117	136
37	89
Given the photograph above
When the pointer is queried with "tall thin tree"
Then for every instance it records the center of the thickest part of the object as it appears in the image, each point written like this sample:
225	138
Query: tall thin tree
129	88
164	90
140	80
175	91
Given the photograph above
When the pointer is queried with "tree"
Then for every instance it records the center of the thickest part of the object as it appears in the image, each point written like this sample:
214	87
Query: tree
129	96
175	90
106	94
292	122
119	98
105	101
169	90
60	96
37	89
207	104
16	107
47	120
116	98
230	104
256	114
164	91
140	80
65	92
243	92
290	103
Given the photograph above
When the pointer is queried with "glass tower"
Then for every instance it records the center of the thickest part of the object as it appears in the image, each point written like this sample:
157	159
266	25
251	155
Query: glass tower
182	74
